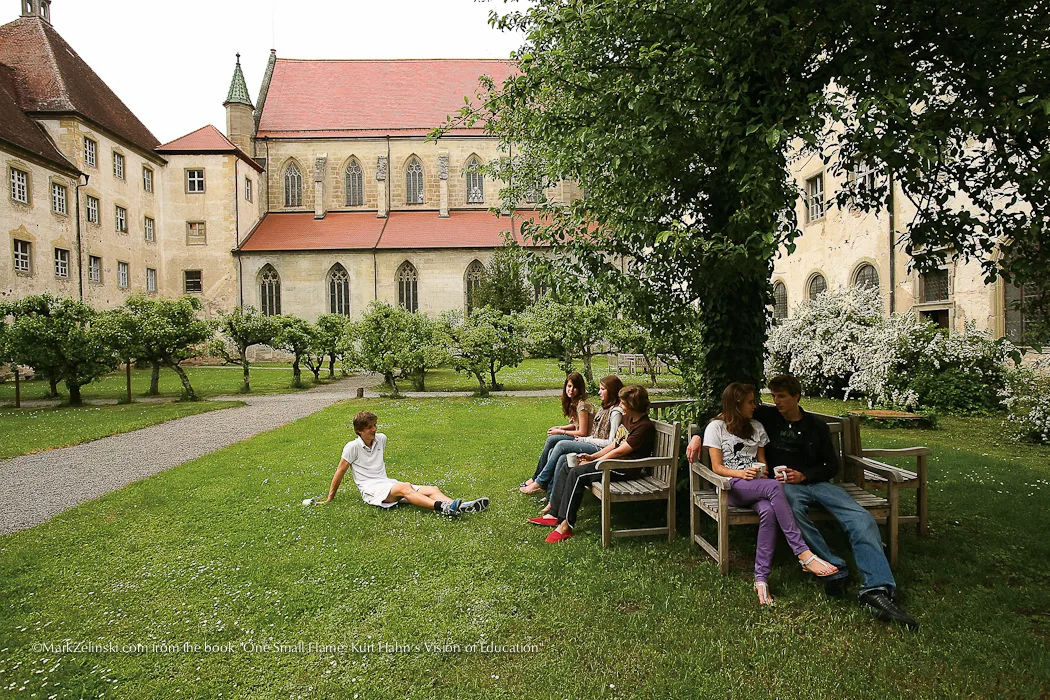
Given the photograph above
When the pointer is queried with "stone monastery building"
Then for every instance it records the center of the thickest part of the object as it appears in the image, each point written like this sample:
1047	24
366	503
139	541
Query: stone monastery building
324	195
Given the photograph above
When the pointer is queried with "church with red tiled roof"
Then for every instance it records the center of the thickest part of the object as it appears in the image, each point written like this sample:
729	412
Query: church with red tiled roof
323	195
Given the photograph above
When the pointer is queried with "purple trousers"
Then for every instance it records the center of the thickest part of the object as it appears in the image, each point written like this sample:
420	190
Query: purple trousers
766	497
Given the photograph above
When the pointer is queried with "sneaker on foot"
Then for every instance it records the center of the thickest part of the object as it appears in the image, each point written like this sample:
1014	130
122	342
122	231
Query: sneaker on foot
475	506
878	601
451	507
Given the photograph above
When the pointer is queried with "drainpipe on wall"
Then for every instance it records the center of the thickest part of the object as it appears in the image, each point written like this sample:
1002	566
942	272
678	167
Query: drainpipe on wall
890	204
80	246
389	176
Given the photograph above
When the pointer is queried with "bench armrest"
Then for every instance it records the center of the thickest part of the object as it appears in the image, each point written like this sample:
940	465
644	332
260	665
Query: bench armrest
899	452
719	482
606	465
886	471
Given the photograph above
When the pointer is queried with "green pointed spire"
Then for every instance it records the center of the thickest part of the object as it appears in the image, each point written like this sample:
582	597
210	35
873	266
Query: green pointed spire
238	89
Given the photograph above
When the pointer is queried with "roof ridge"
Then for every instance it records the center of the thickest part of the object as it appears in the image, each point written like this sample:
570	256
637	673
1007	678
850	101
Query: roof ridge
390	60
50	48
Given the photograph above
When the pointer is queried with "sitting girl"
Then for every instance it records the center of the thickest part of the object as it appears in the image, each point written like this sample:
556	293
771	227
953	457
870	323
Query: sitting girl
735	441
575	407
606	424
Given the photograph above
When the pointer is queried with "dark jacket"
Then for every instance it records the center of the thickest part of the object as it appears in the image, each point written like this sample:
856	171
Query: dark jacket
817	461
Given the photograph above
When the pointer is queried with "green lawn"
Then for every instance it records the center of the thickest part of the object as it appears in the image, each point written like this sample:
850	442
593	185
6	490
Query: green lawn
206	381
220	552
531	374
32	430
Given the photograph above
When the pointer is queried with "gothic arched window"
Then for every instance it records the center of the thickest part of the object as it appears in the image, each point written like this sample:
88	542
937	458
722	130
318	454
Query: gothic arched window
355	190
408	287
475	271
867	277
293	186
780	301
270	291
475	181
817	285
414	182
338	291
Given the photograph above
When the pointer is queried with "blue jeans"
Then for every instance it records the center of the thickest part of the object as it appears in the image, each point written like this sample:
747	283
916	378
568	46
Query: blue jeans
552	440
559	454
858	523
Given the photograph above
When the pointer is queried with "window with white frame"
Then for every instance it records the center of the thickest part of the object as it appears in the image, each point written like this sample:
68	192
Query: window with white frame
148	230
414	182
118	166
864	176
92	209
151	280
354	184
94	269
293	186
58	198
192	282
194	181
121	218
475	182
338	291
23	256
248	189
61	262
19	185
122	274
90	152
196	233
815	198
147	178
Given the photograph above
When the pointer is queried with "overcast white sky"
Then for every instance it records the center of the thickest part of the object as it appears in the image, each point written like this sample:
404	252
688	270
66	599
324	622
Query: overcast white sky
171	61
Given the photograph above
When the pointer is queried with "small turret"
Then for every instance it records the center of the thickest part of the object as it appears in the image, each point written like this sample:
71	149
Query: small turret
240	123
37	8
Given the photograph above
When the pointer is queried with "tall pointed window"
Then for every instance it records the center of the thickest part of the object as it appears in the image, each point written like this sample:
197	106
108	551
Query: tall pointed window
780	302
414	182
270	291
355	190
338	291
475	181
408	287
293	186
475	271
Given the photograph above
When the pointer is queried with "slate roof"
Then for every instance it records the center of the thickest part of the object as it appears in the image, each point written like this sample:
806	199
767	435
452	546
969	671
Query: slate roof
206	139
22	132
51	78
363	231
371	98
238	89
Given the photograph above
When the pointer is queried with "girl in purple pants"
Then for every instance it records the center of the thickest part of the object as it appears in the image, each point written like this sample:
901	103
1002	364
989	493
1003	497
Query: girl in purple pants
737	447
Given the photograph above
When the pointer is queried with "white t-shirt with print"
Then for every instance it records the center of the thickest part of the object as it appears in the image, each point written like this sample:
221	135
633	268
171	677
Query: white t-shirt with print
737	452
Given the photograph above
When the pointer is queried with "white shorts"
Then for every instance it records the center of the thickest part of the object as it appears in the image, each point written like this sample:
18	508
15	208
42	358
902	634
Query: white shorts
377	491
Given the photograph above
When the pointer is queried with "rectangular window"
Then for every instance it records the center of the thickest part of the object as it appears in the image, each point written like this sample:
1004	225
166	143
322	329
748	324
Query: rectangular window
193	283
58	198
147	178
196	233
19	185
23	256
149	230
815	198
122	274
121	218
90	153
151	280
92	209
864	176
94	269
934	285
61	262
194	180
248	189
118	166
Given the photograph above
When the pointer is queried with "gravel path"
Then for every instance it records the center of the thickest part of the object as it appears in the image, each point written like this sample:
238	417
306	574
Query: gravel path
36	487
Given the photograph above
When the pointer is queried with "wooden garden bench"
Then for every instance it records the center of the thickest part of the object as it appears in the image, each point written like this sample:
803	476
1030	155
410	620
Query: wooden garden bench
659	485
709	495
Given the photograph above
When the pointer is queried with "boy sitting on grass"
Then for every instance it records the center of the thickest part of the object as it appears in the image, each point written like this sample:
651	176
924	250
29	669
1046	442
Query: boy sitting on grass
365	455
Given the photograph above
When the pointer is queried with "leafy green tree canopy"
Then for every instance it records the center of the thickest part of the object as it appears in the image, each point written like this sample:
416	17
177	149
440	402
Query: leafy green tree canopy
171	332
242	328
503	285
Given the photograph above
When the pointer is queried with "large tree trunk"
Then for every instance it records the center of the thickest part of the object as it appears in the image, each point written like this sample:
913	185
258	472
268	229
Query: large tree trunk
331	366
587	374
492	376
187	390
297	375
154	380
74	394
483	389
316	369
52	392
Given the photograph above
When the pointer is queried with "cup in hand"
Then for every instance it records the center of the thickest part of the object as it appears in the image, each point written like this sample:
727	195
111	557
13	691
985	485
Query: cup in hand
780	473
760	469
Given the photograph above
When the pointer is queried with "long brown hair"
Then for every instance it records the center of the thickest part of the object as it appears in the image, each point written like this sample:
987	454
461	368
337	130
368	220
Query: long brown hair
569	407
732	398
612	386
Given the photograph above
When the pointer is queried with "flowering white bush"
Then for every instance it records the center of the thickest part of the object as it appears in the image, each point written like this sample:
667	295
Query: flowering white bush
1027	398
887	357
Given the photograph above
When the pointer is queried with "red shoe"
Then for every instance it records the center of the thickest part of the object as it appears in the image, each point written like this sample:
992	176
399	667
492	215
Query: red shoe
558	537
545	520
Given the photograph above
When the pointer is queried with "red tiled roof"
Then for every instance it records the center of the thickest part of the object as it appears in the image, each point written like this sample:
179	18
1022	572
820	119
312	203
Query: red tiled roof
52	78
406	97
363	231
206	139
21	131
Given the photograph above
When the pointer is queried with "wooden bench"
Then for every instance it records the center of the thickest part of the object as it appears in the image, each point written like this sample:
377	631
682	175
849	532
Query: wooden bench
662	468
709	496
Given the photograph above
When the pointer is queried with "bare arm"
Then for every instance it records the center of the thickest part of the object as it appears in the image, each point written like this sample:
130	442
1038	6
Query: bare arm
719	467
610	451
337	479
584	428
